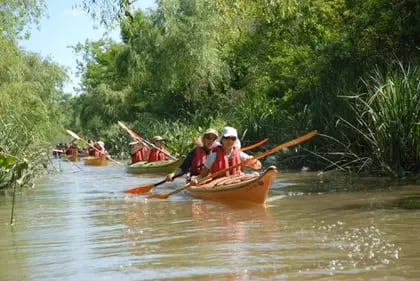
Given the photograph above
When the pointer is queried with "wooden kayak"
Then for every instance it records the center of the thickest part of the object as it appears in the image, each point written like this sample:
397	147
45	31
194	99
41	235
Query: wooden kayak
95	161
144	167
250	188
72	158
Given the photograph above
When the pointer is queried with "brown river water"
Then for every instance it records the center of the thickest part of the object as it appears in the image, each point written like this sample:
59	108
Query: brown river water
77	224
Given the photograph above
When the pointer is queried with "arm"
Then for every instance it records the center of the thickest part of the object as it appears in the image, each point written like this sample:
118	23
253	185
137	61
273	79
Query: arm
250	161
184	168
205	171
174	174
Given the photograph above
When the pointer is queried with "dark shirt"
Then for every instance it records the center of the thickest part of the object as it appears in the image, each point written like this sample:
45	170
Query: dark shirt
186	165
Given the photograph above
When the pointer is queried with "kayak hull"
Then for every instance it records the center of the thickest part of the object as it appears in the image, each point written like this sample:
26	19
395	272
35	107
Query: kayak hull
72	158
95	161
248	188
156	167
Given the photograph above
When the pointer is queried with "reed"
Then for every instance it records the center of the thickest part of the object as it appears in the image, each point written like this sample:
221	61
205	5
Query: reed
387	119
22	155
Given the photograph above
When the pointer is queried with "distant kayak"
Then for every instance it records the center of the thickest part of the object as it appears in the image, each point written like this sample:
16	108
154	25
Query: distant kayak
144	167
96	161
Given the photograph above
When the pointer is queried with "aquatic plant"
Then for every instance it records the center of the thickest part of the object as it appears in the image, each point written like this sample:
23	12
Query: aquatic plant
387	119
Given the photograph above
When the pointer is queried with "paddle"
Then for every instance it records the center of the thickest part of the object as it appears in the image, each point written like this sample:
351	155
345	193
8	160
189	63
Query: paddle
74	135
257	144
146	188
142	140
220	172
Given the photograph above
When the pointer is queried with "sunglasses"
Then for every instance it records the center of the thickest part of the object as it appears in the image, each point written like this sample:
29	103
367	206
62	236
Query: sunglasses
210	137
230	138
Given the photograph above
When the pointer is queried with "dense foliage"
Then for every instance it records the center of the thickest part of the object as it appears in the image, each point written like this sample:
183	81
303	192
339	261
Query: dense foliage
31	103
272	69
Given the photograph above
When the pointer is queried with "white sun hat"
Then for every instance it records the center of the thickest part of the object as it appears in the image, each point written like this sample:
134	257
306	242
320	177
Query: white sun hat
230	132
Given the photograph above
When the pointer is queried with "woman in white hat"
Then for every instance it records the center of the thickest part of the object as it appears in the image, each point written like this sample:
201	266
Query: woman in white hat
100	149
225	155
195	159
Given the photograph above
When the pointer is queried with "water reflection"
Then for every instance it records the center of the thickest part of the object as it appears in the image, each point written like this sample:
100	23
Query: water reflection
81	226
198	233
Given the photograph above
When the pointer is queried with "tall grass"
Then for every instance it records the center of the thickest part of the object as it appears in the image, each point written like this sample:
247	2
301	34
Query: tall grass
22	155
387	119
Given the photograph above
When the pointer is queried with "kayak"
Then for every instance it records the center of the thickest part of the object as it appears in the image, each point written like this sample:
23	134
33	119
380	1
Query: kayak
72	158
96	161
250	188
144	167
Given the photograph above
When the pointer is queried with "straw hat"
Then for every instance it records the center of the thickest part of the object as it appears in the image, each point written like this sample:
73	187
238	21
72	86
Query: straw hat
211	131
157	138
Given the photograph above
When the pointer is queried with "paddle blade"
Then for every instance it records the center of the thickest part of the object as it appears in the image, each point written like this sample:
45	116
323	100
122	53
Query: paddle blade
261	142
140	189
73	134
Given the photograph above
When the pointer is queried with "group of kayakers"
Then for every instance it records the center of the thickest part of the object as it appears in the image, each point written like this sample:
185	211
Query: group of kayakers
211	154
93	148
214	153
140	151
96	148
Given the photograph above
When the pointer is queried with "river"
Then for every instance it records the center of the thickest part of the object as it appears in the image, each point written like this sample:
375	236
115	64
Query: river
77	224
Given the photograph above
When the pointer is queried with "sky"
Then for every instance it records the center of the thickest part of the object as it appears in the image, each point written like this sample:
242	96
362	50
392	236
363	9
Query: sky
64	27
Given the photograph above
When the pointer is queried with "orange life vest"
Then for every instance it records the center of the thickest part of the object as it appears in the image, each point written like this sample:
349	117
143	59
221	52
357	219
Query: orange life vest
197	163
222	162
156	155
139	155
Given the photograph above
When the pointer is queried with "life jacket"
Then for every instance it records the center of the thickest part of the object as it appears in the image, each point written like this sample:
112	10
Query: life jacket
222	162
99	151
197	163
156	155
91	151
72	150
139	155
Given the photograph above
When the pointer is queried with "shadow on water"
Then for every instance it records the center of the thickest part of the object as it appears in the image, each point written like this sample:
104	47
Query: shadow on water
337	182
406	203
394	193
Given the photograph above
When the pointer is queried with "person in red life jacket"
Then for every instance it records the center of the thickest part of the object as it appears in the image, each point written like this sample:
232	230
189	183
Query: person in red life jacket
139	152
90	150
195	159
73	151
159	153
100	149
226	154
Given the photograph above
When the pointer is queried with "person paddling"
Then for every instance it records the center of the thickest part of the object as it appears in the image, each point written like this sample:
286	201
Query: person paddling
227	154
100	150
158	153
139	152
195	159
90	149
